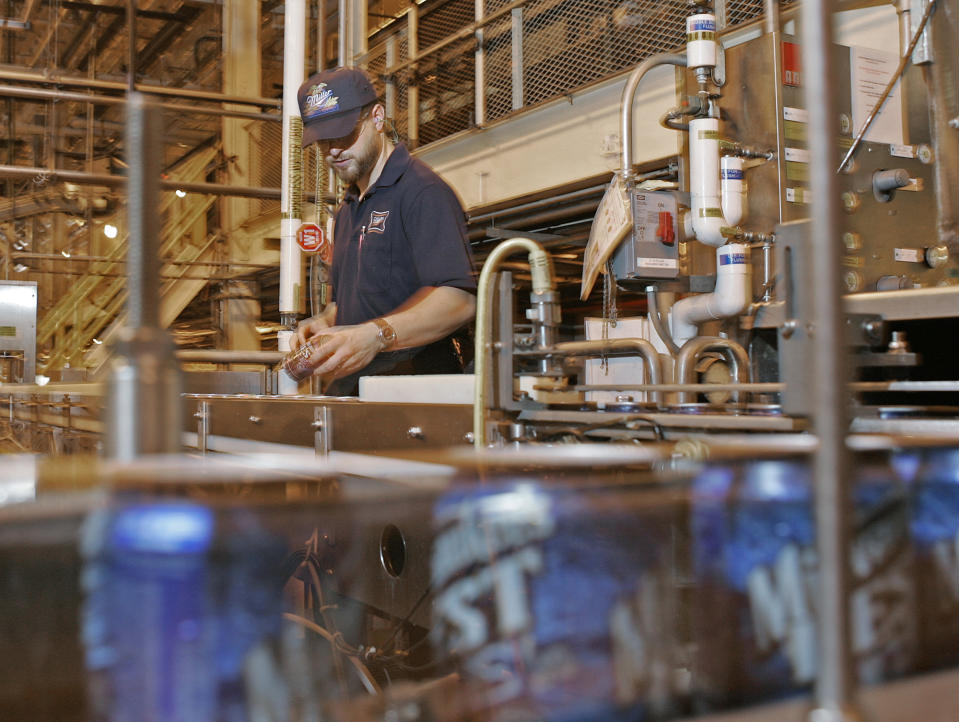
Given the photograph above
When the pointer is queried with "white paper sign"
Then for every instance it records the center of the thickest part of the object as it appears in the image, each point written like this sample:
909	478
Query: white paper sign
610	225
871	71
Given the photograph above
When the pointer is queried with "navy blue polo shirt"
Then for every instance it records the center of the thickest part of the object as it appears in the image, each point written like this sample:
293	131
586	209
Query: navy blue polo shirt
408	231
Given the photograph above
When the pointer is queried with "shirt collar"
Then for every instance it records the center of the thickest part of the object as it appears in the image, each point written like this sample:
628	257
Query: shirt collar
393	170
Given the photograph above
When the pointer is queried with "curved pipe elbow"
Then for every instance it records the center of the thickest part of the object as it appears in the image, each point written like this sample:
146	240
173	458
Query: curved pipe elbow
731	296
638	346
708	228
629	95
541	270
693	349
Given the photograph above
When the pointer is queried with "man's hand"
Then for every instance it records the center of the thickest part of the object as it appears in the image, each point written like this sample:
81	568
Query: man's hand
313	326
348	349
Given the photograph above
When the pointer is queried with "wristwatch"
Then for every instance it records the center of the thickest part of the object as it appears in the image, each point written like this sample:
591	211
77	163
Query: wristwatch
386	333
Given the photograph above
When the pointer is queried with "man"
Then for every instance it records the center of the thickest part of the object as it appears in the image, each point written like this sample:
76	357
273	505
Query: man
402	271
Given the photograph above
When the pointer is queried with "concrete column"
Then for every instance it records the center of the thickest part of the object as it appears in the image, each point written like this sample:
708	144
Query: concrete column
241	76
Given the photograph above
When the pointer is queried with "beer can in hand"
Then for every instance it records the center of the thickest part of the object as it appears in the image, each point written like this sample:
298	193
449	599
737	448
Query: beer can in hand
301	364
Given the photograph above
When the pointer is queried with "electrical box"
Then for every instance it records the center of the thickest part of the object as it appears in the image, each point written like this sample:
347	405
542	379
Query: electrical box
652	250
18	331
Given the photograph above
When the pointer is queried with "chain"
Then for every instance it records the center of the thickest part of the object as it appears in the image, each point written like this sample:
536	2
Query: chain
610	312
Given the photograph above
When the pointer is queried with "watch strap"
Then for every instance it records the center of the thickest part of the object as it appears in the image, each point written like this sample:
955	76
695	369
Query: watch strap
387	334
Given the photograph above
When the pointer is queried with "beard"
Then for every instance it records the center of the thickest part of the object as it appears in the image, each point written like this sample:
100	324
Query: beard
361	162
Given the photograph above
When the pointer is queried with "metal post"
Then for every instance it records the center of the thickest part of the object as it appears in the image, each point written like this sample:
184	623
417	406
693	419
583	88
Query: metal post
390	95
144	127
143	407
771	22
132	45
836	683
516	20
412	90
321	33
480	67
343	18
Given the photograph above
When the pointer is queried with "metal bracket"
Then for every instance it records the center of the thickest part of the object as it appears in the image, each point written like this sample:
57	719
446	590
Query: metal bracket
322	430
202	416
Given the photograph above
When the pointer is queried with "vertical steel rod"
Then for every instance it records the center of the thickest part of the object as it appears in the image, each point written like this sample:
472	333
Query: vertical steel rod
413	89
480	66
144	130
771	17
835	684
143	401
516	29
132	49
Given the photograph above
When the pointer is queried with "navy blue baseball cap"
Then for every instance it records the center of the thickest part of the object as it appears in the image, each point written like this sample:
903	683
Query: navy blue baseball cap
331	102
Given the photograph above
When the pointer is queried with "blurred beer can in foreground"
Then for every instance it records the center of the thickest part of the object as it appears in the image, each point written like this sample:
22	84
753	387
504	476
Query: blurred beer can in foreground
555	600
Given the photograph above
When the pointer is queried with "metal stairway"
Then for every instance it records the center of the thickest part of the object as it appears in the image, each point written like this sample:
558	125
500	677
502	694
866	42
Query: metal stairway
93	308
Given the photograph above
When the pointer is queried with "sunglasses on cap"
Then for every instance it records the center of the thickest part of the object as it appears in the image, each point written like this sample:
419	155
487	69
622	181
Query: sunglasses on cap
347	140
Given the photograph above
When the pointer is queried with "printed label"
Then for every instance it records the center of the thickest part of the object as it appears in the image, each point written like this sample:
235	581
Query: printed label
908	255
800	115
657	263
732	174
732	259
709	135
902	151
710	213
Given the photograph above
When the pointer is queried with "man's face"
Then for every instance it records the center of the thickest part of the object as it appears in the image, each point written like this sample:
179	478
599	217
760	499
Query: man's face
354	156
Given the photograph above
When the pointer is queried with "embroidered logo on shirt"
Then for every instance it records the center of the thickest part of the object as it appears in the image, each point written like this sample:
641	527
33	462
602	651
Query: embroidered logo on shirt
378	222
320	101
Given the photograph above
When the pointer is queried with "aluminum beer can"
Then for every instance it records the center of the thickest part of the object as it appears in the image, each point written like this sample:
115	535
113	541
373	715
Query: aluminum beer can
935	533
301	364
755	566
175	598
555	601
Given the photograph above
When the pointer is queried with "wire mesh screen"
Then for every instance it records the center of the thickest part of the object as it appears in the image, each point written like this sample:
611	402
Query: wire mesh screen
564	45
740	11
266	145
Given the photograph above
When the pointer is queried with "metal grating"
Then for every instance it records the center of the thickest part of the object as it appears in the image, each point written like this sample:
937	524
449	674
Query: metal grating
566	44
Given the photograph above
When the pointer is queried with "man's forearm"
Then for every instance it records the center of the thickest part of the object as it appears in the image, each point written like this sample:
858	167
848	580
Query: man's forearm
430	314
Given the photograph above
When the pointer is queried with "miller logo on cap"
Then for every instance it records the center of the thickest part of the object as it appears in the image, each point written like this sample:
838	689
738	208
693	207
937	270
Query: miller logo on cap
319	101
331	102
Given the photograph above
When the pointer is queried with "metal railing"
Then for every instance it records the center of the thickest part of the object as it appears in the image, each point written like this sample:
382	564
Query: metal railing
467	63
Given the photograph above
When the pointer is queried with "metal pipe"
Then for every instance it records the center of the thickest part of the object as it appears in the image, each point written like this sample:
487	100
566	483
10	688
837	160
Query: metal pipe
517	70
691	351
835	689
47	175
656	318
143	292
479	63
131	46
8	74
321	32
541	272
109	259
653	370
143	405
218	356
771	23
942	78
343	29
44	94
629	94
413	89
